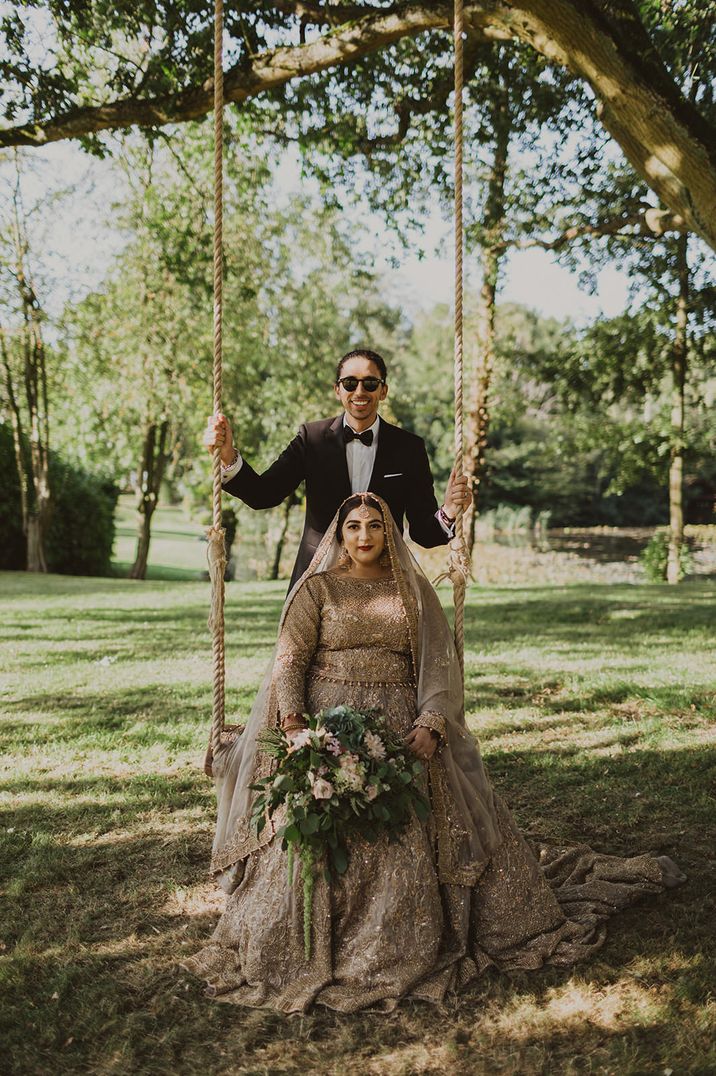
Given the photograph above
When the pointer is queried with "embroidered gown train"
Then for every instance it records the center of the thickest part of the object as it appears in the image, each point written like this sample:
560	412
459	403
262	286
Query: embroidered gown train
422	916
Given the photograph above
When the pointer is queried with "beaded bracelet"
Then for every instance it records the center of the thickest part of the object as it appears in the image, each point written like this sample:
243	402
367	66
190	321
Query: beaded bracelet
228	466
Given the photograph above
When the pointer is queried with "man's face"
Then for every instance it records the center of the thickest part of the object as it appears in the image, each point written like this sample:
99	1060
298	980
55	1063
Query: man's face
360	404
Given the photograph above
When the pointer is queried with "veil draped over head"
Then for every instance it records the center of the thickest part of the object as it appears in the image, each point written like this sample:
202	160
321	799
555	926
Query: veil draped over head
464	817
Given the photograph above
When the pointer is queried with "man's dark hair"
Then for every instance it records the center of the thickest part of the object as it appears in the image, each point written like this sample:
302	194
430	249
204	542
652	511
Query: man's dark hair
355	502
363	353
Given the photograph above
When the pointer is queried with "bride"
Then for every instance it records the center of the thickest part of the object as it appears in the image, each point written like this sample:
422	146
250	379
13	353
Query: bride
424	915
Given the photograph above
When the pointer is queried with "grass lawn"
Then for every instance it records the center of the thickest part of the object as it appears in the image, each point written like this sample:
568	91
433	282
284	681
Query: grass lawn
178	546
595	706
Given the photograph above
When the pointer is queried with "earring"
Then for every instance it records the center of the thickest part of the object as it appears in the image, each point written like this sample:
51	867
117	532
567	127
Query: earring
344	561
384	559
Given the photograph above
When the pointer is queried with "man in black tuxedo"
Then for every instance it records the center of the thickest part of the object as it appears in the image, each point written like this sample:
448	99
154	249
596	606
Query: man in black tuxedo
354	452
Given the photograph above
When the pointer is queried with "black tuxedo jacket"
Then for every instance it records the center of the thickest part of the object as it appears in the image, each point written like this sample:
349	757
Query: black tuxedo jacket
401	476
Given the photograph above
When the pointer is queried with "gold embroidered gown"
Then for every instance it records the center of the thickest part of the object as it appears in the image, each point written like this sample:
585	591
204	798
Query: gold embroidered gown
396	925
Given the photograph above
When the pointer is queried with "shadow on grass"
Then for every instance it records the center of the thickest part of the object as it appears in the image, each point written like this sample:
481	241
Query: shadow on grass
174	717
143	633
587	616
93	930
625	698
159	572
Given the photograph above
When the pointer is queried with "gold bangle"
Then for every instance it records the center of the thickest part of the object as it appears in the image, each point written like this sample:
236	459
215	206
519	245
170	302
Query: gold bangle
291	728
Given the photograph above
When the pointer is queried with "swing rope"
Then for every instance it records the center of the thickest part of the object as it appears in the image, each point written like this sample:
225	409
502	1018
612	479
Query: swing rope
216	551
458	569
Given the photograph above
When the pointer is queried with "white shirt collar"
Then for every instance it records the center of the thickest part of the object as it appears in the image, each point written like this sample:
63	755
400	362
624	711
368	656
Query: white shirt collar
374	427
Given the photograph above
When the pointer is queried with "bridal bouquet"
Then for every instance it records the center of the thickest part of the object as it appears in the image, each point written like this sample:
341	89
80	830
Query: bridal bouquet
345	775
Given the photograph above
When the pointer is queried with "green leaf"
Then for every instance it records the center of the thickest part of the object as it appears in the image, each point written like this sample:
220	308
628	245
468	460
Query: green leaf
310	823
340	858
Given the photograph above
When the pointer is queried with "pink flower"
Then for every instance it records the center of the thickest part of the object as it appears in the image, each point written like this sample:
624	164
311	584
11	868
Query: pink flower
333	746
322	789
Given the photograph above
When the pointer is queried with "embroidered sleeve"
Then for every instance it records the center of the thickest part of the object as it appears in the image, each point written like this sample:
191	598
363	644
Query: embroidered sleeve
296	647
431	720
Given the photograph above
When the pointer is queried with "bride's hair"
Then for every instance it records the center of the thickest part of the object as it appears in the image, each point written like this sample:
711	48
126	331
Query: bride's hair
355	502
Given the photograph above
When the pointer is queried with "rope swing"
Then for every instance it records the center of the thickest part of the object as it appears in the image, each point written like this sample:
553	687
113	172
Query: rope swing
458	567
216	551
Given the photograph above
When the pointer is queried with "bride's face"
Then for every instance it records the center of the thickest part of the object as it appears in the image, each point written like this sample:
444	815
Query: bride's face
364	535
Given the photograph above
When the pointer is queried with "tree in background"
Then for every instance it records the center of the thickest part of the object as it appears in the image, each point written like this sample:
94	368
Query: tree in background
25	378
138	348
580	416
299	291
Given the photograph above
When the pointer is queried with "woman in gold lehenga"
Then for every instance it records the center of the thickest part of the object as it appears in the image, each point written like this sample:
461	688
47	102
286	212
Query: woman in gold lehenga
421	916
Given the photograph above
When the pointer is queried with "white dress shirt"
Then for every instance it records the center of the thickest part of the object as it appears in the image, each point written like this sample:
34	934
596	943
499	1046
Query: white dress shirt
360	458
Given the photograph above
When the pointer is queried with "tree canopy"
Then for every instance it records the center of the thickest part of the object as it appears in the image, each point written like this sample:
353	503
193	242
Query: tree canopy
356	75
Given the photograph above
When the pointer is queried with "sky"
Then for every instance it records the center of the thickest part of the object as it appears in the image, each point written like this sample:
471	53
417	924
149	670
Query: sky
78	246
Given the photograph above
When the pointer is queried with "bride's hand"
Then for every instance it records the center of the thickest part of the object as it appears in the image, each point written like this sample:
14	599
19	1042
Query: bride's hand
423	743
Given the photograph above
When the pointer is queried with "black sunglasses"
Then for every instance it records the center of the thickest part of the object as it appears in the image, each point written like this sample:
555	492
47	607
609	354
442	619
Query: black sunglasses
370	384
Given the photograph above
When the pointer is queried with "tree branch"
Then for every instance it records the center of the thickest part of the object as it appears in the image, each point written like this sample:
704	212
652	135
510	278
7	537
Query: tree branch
650	224
603	42
267	71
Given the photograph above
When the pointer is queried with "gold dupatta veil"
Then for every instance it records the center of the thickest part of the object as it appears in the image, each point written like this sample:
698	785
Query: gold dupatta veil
464	818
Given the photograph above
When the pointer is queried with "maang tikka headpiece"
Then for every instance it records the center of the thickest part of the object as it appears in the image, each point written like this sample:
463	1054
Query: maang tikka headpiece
364	510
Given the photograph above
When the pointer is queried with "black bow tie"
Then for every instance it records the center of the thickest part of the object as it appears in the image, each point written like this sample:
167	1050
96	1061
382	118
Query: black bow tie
350	435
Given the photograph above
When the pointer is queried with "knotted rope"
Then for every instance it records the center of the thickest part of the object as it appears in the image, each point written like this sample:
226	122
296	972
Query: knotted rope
458	570
216	551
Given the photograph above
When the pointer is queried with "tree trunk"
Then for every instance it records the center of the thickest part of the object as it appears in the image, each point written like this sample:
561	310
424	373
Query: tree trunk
288	505
22	464
478	416
154	459
478	421
31	460
674	573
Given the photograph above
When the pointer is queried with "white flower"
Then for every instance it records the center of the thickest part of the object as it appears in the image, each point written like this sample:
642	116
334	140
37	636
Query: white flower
322	789
371	792
301	739
374	746
351	773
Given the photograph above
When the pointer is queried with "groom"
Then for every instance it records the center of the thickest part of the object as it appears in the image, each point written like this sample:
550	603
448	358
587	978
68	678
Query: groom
354	452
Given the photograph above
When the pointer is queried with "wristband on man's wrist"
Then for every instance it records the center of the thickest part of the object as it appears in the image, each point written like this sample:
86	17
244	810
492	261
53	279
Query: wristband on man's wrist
230	464
447	520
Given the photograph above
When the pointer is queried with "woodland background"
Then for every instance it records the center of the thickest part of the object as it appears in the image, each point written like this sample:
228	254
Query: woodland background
104	384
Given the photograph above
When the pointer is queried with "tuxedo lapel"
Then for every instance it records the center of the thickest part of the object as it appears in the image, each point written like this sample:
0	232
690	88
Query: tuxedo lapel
336	475
381	463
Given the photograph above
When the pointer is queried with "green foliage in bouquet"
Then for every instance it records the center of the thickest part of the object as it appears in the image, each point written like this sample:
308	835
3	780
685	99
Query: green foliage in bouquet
346	775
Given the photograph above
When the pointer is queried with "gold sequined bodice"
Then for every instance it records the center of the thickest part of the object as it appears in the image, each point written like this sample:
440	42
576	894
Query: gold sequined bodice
342	628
